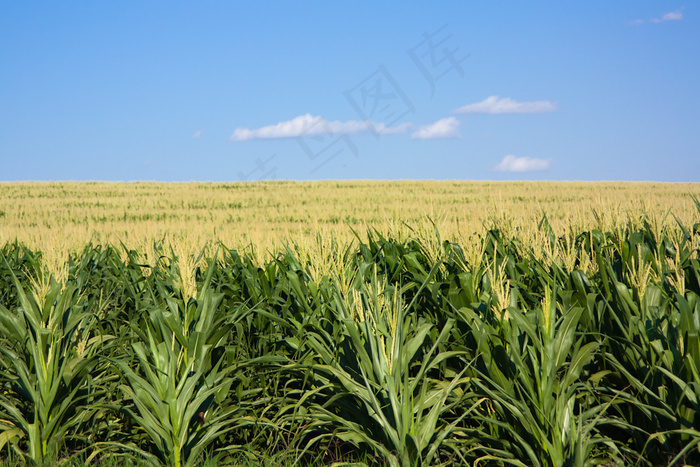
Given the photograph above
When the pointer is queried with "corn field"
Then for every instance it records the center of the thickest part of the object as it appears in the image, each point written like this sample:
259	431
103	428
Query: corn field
63	217
392	351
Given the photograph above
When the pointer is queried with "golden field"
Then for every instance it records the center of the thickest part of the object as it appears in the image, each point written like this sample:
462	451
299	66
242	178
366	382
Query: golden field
65	216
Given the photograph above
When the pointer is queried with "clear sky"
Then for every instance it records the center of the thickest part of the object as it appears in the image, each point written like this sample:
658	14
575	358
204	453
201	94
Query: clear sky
461	90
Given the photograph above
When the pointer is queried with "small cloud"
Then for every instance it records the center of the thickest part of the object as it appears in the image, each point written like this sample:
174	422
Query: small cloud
505	105
511	163
444	128
147	163
314	125
676	15
197	134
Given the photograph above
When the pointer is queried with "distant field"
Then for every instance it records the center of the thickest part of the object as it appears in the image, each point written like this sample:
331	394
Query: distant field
67	215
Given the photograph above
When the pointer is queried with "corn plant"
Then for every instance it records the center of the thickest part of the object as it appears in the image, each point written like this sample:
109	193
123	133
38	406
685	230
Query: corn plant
542	401
377	381
178	380
49	370
649	320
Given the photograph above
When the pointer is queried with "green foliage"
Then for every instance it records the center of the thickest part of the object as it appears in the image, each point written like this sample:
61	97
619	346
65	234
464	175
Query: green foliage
413	352
50	369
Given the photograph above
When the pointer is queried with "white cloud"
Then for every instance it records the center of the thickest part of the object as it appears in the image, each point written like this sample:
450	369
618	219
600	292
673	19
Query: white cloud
676	15
511	163
444	128
505	105
197	134
313	125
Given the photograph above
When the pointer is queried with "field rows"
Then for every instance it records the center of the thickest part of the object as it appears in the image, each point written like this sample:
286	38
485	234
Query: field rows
65	216
418	351
400	323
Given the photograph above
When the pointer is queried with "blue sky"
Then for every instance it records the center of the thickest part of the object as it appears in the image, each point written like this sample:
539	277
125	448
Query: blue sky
228	91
